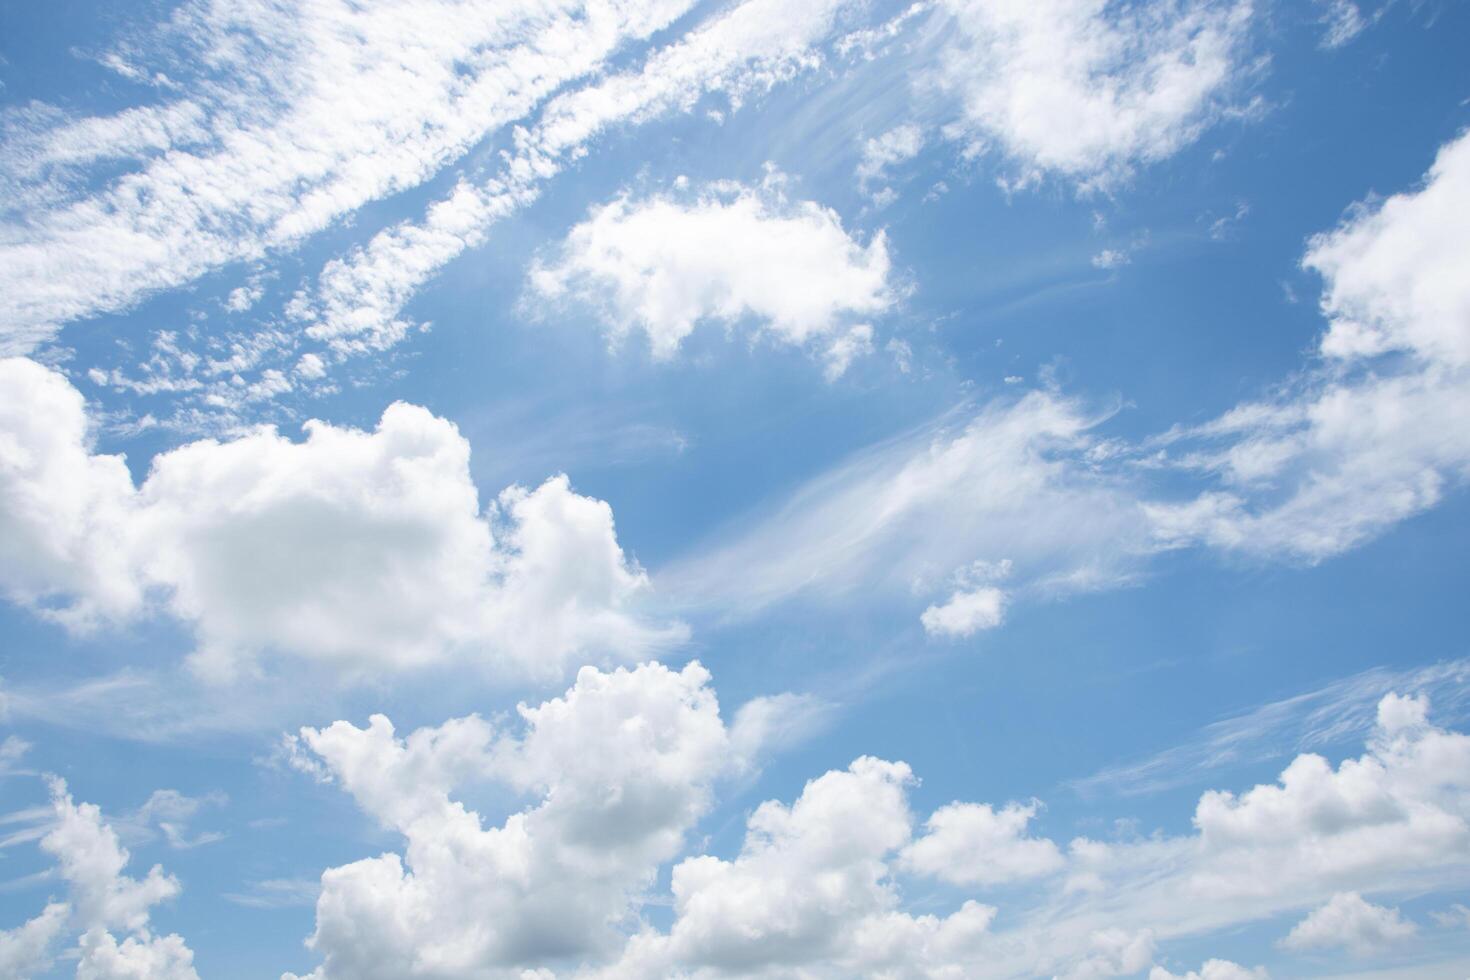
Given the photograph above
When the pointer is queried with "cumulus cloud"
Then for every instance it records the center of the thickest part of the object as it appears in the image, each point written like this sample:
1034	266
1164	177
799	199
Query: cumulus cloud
1086	89
976	844
621	766
361	550
1113	953
810	891
966	613
25	949
729	254
101	899
624	765
1349	922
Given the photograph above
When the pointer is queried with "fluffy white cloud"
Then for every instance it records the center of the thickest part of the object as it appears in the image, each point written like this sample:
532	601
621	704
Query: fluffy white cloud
1370	439
91	860
621	765
1349	922
1212	970
25	950
976	844
287	125
810	894
1393	274
140	957
966	613
1088	89
663	264
100	898
1114	952
63	509
359	549
1397	817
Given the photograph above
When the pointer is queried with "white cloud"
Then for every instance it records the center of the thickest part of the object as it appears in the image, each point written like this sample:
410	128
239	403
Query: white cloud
91	860
140	957
1086	89
25	949
1342	21
100	898
621	766
361	550
277	893
1393	273
1110	258
624	765
810	893
1349	922
1212	970
662	265
1114	952
62	508
898	145
975	844
966	613
1367	439
750	47
841	352
1016	479
1338	712
287	125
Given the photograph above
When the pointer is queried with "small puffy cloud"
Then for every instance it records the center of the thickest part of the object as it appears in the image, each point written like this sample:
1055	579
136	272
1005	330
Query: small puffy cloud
311	367
1212	970
898	145
841	352
363	550
976	844
1089	90
1110	258
1352	923
966	613
661	265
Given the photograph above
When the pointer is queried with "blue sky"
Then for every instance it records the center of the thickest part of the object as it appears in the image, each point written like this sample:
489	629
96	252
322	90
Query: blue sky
659	489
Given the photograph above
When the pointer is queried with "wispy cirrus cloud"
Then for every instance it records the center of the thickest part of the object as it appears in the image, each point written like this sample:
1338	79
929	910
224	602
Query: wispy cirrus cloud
269	129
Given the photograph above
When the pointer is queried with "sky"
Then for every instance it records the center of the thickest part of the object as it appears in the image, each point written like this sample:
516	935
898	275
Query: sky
614	489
